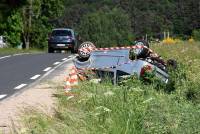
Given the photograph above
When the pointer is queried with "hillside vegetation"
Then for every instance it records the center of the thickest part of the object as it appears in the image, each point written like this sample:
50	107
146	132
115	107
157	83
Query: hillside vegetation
133	107
104	22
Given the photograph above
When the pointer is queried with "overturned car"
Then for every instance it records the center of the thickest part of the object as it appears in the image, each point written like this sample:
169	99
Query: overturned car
118	62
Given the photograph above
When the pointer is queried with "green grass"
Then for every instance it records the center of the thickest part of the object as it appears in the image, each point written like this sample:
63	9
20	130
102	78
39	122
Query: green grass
6	51
132	107
186	54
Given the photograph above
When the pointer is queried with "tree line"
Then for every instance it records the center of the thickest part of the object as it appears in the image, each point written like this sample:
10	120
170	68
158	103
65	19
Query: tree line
105	22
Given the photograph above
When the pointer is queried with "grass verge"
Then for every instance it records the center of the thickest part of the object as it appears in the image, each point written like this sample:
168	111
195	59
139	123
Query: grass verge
6	51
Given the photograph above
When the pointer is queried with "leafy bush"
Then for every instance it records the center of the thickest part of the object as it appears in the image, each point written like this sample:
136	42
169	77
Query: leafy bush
14	29
39	36
171	41
196	34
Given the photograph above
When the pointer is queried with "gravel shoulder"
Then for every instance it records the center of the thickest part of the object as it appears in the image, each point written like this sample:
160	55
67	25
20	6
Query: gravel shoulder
40	96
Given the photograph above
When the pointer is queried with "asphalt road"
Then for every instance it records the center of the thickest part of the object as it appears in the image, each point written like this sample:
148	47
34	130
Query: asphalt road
19	71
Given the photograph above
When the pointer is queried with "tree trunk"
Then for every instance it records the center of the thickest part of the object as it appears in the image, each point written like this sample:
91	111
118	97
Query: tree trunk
27	20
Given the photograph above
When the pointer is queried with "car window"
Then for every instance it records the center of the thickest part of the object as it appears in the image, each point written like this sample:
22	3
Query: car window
61	33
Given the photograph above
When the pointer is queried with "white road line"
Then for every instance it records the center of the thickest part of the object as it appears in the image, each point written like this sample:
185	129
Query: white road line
5	57
56	63
35	77
20	86
64	59
47	69
70	56
3	96
50	71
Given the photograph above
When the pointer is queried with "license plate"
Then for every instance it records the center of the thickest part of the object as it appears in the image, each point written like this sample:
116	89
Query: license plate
60	45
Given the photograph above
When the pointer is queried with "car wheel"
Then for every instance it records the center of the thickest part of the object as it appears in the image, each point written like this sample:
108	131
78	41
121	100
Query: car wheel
85	49
73	51
142	52
142	42
50	50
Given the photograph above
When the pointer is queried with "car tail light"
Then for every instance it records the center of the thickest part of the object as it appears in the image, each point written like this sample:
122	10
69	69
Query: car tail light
145	70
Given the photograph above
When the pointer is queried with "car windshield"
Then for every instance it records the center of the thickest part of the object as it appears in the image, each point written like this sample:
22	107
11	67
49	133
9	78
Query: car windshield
61	33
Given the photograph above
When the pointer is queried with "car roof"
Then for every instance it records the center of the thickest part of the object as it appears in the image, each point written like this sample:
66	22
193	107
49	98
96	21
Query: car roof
63	29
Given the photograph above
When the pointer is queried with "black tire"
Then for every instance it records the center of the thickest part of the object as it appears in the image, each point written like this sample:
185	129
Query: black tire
142	52
50	50
142	42
73	51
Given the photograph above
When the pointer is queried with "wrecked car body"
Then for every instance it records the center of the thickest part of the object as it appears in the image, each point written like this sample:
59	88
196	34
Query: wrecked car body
119	62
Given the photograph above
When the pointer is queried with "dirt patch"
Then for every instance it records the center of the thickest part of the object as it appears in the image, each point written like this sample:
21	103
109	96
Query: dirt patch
39	97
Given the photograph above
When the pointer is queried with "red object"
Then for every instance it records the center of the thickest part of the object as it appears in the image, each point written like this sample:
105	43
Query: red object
145	69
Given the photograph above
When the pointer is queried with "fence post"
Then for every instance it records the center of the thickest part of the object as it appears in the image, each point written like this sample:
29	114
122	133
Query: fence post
164	35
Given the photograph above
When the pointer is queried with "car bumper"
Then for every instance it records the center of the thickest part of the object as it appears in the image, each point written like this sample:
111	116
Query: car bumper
61	45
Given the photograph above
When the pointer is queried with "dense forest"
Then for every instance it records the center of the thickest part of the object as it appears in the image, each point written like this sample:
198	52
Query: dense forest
105	22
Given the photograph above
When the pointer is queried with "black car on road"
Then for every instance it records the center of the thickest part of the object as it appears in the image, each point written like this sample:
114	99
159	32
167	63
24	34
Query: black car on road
62	39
